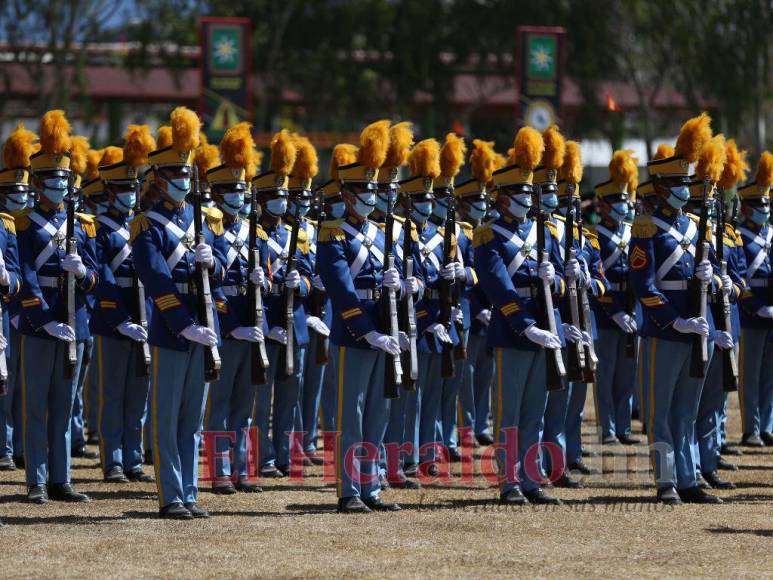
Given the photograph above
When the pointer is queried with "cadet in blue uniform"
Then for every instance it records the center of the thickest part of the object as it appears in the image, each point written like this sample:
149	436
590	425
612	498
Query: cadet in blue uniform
351	259
47	390
231	398
661	263
165	257
122	387
505	250
616	371
14	192
756	389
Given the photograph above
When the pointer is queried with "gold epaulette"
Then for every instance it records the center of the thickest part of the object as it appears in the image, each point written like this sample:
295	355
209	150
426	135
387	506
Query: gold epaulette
88	223
9	222
442	231
592	236
22	219
399	218
559	217
643	227
139	224
466	228
738	240
310	221
553	228
331	231
260	232
214	220
483	234
729	241
303	241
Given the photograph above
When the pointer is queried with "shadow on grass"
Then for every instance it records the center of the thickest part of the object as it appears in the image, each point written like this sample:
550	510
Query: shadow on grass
726	530
67	520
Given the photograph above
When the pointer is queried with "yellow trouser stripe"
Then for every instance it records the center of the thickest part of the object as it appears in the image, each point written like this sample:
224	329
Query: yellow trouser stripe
339	459
154	405
640	376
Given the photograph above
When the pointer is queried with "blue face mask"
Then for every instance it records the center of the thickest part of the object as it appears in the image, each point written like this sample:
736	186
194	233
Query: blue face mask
440	208
178	188
303	208
493	214
760	215
477	210
55	189
548	202
382	198
679	196
232	202
365	203
618	211
277	207
101	207
421	210
16	201
246	209
125	201
336	210
631	215
519	205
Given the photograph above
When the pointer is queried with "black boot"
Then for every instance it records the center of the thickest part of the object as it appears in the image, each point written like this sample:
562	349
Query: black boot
66	492
377	504
513	497
697	495
715	481
37	494
352	505
175	511
539	497
669	496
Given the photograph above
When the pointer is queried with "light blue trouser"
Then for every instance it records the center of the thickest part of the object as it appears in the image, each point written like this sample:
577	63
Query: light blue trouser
756	389
178	397
47	399
519	402
78	428
708	424
361	418
674	399
229	406
313	379
574	414
9	428
91	399
121	401
401	427
328	400
431	390
615	378
554	430
475	390
449	401
286	406
643	377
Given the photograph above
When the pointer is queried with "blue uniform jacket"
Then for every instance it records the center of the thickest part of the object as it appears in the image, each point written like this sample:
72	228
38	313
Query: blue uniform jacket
614	241
156	247
9	248
42	247
756	242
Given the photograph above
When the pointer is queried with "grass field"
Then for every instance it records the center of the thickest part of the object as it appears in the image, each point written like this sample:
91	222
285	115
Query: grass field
612	528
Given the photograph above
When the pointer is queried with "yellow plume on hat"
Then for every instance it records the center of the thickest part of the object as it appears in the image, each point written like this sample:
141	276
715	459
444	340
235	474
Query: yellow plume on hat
55	133
18	148
528	148
483	160
206	157
92	163
374	143
571	169
711	161
111	155
343	154
764	177
500	161
400	142
424	159
664	151
623	169
693	135
139	142
283	153
79	149
253	167
735	168
452	155
306	162
186	127
237	148
555	148
164	137
510	160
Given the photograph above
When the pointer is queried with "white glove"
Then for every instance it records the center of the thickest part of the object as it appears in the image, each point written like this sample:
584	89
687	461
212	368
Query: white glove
448	272
727	284
391	279
15	322
723	340
440	332
60	331
572	333
704	271
200	335
278	334
547	272
626	322
460	272
384	342
484	316
412	285
72	263
293	279
695	325
317	325
572	269
316	281
5	277
203	255
457	315
765	312
543	338
133	331
258	277
248	333
402	338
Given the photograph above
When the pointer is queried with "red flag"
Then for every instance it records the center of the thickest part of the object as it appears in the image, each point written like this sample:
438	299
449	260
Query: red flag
458	128
612	105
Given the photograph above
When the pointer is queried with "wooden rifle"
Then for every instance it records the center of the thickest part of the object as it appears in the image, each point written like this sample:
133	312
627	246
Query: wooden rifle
460	350
630	302
697	297
586	316
410	358
139	314
71	361
318	296
571	306
393	370
258	355
286	355
721	307
204	294
553	359
447	366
